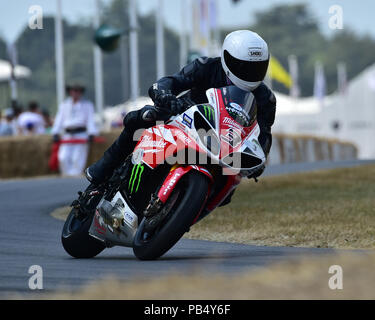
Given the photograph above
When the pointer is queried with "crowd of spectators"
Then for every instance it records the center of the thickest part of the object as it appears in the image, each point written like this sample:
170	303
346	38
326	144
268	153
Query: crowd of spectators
16	121
73	129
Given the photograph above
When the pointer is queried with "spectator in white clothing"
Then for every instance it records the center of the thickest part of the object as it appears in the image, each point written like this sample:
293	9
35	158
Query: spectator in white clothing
31	122
74	128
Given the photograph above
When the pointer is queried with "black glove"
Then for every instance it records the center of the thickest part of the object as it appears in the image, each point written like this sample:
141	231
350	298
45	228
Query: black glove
181	105
56	138
149	114
164	101
257	173
265	140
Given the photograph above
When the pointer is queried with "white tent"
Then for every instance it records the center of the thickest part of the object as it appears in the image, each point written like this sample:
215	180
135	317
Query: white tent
6	70
347	117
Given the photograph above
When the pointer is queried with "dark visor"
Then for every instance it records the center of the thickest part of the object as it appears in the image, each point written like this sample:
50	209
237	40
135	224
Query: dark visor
251	71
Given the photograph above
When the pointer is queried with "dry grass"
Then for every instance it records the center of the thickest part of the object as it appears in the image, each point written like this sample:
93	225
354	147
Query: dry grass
303	279
61	213
333	208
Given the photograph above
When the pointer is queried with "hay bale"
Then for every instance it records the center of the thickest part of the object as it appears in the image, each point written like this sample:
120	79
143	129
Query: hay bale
28	156
24	156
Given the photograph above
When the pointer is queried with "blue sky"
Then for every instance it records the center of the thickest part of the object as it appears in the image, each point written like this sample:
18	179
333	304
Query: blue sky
358	15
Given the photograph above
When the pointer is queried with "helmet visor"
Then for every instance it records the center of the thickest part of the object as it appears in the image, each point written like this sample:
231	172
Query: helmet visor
251	71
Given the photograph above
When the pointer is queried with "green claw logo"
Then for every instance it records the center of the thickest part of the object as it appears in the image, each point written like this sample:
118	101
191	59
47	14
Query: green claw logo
136	173
208	112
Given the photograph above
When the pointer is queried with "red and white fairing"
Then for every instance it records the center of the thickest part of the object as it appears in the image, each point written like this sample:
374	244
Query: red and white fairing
165	143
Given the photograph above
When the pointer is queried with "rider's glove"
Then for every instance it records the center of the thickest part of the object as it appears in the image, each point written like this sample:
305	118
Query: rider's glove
180	105
164	101
149	114
167	103
257	173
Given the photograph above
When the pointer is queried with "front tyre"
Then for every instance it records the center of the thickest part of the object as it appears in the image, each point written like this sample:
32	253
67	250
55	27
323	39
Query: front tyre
192	192
76	240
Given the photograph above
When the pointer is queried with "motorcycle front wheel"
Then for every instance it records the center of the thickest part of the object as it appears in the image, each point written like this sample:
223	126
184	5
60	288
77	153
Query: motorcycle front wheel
75	236
191	194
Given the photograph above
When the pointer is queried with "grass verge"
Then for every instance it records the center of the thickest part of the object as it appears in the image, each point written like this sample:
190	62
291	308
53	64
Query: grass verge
332	208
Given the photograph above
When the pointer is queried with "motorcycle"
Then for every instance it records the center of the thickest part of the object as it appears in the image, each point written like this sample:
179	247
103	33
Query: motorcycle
178	173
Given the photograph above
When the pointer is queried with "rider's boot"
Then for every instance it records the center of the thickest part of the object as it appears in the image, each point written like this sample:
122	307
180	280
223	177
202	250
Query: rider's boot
103	169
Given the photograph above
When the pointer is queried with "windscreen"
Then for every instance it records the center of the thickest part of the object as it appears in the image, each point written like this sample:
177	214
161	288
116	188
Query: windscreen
240	105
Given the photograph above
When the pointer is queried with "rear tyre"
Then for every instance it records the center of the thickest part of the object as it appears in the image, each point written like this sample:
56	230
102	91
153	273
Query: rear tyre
193	189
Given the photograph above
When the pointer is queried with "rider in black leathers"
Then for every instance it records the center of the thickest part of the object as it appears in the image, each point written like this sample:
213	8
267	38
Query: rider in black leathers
198	76
243	63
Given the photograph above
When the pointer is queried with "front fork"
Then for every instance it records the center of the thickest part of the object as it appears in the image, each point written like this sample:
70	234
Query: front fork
165	192
175	174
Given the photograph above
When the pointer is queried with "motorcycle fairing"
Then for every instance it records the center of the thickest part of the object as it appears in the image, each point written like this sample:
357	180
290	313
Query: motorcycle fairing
174	176
164	142
114	222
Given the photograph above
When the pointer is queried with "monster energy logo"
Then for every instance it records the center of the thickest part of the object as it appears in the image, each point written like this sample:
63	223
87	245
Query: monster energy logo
136	176
208	112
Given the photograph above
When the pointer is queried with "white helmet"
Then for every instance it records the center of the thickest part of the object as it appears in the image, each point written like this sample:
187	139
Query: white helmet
245	57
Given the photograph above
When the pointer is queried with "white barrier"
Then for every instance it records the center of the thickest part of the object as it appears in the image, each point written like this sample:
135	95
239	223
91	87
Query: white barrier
290	149
275	153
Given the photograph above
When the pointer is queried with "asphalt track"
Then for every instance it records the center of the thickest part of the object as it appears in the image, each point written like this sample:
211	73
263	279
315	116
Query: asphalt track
30	236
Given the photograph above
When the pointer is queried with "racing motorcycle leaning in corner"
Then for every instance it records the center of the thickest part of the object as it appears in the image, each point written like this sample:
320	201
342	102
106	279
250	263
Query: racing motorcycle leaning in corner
181	170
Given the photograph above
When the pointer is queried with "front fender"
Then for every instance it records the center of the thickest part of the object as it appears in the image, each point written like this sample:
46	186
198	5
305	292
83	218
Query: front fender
175	175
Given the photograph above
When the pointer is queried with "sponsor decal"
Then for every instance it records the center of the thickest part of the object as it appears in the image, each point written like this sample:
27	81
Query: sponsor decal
171	183
255	52
235	106
208	112
233	123
146	142
183	137
187	120
135	178
137	156
99	223
128	217
180	125
232	137
239	114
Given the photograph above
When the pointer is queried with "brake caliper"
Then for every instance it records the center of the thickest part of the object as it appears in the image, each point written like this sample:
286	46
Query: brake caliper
83	205
153	213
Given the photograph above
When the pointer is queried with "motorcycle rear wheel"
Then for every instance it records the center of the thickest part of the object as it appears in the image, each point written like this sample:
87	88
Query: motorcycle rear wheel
193	189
